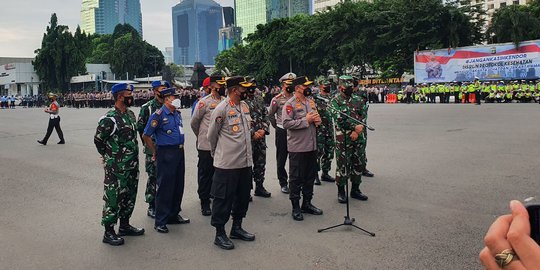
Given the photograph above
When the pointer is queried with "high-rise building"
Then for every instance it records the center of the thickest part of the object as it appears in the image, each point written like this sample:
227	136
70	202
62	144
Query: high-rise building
102	16
250	13
196	25
228	37
491	6
228	16
321	5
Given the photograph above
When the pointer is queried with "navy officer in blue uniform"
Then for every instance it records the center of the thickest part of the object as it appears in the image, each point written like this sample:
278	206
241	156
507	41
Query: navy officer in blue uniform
168	152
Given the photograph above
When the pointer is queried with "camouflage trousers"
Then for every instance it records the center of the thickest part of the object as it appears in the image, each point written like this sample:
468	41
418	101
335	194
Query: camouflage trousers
259	160
150	192
120	193
325	149
350	159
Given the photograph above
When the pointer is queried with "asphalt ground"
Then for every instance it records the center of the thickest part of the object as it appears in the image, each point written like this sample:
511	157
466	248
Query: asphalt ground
442	174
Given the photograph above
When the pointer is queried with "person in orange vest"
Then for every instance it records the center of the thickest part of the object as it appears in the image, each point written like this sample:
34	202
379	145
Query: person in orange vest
54	120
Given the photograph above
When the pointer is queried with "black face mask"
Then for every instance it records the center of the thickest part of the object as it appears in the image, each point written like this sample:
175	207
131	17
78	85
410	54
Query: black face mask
348	91
128	101
243	95
289	89
307	92
221	91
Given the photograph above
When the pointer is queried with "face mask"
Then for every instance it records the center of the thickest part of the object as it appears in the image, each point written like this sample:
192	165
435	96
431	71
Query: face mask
176	103
128	101
289	89
221	91
307	92
243	95
348	91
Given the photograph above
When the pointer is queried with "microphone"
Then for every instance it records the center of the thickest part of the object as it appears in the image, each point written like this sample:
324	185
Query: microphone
321	98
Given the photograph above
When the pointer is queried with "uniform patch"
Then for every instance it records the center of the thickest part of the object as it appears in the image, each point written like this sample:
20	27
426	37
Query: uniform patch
274	102
289	109
235	128
232	112
201	104
213	105
237	121
299	106
154	123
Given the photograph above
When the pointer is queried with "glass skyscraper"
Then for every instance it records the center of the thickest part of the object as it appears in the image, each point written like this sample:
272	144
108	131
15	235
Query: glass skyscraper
250	13
196	25
102	16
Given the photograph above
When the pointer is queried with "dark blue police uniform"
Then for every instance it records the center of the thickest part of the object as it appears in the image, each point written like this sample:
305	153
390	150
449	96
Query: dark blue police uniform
167	128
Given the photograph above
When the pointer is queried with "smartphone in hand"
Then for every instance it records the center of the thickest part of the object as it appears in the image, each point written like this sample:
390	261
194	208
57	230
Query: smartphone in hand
534	219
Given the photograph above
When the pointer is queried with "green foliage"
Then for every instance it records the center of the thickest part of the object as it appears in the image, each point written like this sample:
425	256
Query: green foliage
172	71
61	56
357	36
515	23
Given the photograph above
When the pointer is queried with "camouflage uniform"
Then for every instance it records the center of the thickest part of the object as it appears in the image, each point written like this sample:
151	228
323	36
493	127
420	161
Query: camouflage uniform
325	136
146	110
116	142
350	158
260	120
363	143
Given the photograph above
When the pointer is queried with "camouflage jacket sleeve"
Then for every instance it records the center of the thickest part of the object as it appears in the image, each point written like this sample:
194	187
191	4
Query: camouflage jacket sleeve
103	133
343	123
143	119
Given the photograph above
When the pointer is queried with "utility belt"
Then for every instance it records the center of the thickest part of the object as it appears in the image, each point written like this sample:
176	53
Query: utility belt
54	116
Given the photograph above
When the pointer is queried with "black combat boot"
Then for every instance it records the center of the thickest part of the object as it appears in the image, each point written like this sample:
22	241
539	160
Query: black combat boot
126	229
367	173
205	208
341	196
42	142
111	238
285	189
151	212
317	180
357	194
309	208
238	233
327	178
222	240
296	210
260	191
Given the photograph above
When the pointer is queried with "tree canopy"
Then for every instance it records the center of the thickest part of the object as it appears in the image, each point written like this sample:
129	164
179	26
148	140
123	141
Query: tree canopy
515	23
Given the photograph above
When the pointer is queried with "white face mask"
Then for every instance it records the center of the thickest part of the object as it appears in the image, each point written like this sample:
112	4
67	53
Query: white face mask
177	104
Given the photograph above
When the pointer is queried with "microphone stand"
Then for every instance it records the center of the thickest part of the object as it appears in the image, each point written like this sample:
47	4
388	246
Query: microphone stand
348	220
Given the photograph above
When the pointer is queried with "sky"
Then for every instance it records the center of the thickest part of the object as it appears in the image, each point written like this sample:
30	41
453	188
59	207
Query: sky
23	22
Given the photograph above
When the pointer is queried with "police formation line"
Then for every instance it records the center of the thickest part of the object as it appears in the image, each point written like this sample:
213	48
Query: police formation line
231	123
473	92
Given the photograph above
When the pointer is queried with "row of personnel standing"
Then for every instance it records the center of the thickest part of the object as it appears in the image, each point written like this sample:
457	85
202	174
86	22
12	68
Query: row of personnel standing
230	123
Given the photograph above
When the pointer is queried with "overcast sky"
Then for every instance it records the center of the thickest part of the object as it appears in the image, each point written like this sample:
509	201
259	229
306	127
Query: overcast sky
23	22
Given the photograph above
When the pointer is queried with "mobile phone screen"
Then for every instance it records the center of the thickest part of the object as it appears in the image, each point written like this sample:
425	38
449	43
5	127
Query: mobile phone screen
534	218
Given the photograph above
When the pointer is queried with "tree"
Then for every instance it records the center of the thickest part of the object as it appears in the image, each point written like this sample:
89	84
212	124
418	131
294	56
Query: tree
515	23
172	71
127	56
154	61
61	55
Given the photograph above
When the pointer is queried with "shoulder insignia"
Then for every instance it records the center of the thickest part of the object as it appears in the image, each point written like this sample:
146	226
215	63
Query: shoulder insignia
278	95
158	112
289	109
201	104
213	105
245	108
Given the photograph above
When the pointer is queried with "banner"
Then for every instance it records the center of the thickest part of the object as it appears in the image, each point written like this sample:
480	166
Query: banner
486	62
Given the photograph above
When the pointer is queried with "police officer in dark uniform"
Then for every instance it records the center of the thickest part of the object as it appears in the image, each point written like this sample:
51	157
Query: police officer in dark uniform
230	134
300	118
166	125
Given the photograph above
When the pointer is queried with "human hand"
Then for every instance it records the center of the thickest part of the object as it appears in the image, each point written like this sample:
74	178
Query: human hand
310	117
354	136
511	232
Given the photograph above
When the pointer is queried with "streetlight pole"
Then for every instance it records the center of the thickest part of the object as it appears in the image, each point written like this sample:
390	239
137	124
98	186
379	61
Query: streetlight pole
290	58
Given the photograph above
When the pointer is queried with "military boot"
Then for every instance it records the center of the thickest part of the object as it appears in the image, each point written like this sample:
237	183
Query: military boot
260	191
309	208
357	194
222	240
296	210
327	178
205	208
111	238
151	212
317	181
238	233
341	196
126	229
367	173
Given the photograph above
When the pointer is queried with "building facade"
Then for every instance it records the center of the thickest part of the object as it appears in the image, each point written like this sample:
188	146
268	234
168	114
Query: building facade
250	13
228	37
18	77
196	25
321	5
102	16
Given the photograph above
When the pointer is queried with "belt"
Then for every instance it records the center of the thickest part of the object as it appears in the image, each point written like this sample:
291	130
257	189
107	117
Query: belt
178	146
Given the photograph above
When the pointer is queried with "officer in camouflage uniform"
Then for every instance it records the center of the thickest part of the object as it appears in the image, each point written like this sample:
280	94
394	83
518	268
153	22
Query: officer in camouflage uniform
325	134
361	93
116	142
349	139
148	109
261	125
